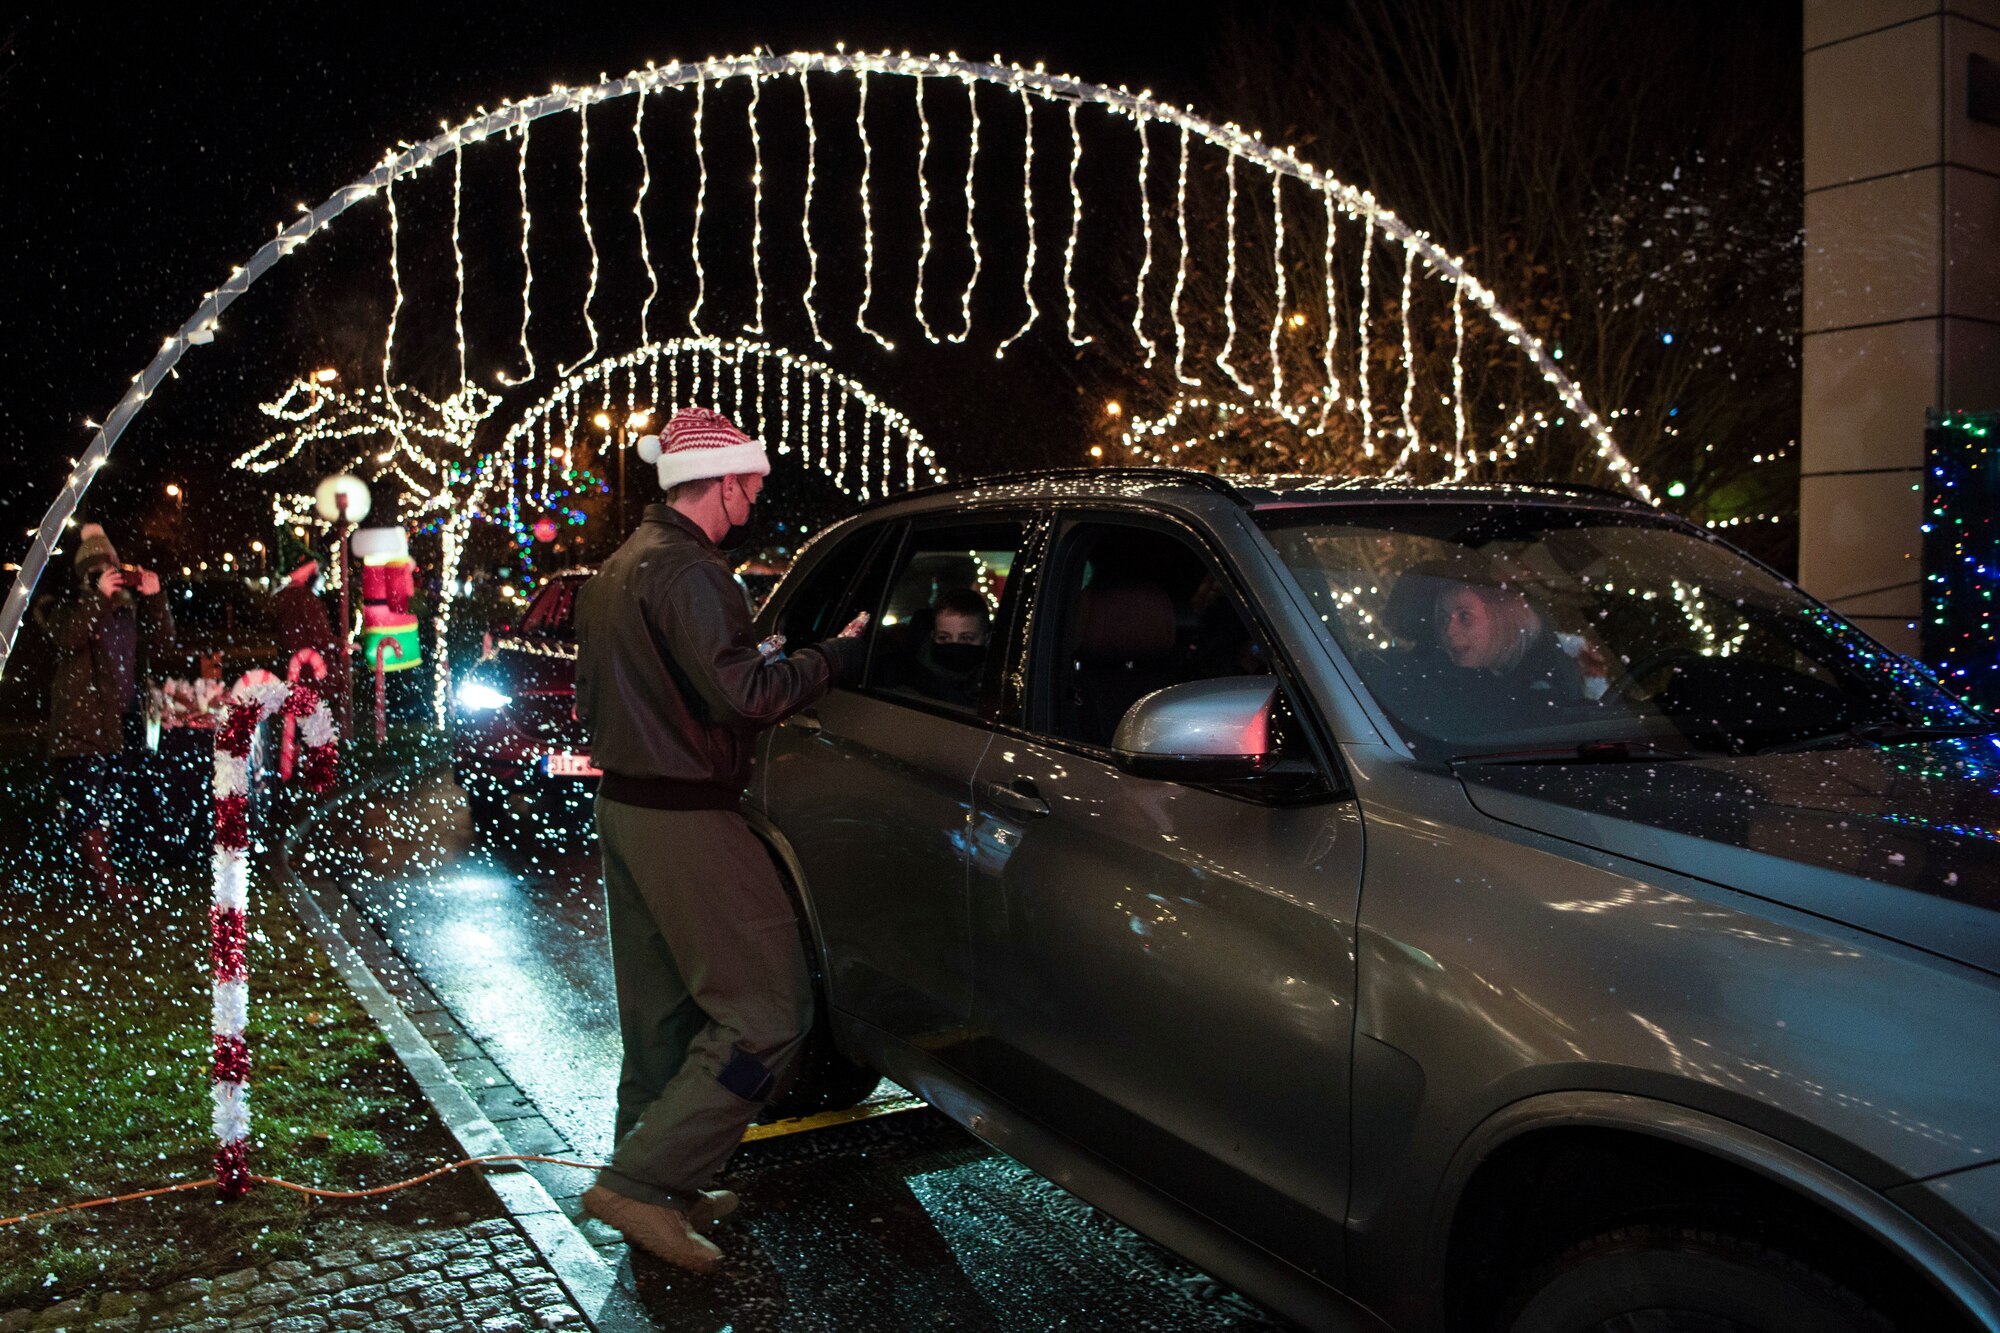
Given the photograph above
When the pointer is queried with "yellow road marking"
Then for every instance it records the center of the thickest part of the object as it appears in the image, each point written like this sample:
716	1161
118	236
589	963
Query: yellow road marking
866	1111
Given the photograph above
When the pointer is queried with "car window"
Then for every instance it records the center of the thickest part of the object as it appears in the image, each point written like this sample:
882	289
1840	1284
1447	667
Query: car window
1128	610
815	611
934	639
1488	627
552	613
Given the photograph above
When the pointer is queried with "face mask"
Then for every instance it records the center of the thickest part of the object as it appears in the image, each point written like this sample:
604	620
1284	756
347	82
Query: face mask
958	659
740	530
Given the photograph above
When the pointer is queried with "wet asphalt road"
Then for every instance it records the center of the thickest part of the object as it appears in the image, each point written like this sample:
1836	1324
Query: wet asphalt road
899	1222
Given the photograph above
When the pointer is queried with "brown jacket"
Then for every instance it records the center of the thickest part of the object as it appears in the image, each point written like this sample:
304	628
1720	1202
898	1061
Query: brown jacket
668	677
101	643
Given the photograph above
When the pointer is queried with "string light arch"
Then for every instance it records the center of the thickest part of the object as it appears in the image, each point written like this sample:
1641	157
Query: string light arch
1032	86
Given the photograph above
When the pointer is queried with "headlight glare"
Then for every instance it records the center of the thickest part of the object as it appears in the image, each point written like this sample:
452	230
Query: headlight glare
476	696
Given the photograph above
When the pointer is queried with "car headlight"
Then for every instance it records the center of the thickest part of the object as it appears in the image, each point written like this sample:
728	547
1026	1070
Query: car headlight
476	696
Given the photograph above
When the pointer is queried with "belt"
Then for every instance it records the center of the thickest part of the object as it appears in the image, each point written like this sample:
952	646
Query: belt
668	793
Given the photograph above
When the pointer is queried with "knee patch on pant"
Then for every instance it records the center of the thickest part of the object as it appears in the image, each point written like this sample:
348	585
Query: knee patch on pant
746	1076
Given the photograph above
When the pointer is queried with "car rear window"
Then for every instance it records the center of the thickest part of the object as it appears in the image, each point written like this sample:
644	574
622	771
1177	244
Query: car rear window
552	615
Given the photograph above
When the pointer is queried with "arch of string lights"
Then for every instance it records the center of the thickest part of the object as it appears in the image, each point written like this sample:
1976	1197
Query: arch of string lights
1030	86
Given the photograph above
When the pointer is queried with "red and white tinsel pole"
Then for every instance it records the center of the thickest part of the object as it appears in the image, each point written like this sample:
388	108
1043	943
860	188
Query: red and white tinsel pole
228	936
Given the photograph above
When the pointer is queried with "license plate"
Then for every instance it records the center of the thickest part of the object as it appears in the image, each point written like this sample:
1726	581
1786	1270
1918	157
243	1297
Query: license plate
566	765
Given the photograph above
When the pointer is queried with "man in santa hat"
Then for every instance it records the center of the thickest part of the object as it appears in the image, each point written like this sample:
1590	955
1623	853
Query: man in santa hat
114	617
714	999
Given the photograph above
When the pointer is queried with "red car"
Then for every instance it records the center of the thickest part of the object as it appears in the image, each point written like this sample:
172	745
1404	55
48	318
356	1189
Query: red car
517	748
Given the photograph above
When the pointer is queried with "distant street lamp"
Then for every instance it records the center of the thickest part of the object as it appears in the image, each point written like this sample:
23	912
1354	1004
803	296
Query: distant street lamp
633	423
263	559
175	494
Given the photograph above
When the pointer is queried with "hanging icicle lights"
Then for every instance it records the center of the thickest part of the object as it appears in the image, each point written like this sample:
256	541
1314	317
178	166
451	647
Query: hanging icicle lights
1135	111
844	420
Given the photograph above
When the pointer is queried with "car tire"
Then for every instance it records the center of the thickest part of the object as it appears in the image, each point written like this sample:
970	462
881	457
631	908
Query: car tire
1686	1280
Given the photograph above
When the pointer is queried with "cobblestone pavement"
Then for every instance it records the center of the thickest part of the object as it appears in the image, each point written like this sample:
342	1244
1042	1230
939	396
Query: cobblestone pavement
483	1277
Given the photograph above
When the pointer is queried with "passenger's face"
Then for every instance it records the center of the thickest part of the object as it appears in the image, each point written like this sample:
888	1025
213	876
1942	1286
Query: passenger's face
953	627
1472	634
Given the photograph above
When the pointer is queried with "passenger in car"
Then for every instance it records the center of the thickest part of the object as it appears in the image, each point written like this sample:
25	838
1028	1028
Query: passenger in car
952	657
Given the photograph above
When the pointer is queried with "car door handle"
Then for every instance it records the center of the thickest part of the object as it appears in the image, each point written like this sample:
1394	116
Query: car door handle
807	721
1019	798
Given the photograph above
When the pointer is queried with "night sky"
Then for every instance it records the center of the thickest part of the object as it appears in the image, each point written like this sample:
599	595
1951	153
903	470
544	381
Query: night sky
146	156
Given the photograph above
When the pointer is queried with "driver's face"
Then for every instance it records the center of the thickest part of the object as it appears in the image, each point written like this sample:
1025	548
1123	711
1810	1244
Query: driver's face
953	627
1469	630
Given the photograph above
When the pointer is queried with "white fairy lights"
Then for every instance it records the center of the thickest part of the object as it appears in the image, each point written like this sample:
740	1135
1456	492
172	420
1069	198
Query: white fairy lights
589	237
458	257
395	311
700	202
923	206
806	211
1332	396
971	230
1146	247
1278	304
1028	220
639	215
868	221
527	263
756	324
1075	226
515	118
1361	342
1181	269
1229	291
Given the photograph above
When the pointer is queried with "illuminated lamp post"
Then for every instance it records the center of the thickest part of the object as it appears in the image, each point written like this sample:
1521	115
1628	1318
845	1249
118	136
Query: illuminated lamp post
623	438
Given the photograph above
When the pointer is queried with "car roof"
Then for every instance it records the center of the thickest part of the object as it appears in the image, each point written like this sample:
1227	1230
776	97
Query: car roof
1253	492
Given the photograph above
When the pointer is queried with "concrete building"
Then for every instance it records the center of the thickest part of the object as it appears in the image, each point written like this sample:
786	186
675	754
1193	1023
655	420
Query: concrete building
1902	282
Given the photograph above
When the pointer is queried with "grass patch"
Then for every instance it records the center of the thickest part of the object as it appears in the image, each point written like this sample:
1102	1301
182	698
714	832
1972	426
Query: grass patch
104	1088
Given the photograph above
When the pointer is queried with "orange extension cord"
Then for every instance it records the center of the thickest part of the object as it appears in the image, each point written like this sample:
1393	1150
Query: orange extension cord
302	1189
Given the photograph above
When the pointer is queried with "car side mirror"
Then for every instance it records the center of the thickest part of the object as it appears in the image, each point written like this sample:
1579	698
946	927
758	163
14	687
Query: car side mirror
1203	731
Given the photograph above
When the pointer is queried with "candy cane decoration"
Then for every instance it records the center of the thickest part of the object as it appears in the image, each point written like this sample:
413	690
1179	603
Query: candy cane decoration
301	660
228	937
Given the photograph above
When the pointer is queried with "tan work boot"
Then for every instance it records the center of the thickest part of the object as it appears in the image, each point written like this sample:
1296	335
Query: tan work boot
666	1233
710	1208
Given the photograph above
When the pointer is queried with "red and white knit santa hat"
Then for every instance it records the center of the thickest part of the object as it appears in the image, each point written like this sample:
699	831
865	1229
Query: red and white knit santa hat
700	443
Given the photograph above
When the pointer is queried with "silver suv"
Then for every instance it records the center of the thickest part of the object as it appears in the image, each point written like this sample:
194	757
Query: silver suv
1429	908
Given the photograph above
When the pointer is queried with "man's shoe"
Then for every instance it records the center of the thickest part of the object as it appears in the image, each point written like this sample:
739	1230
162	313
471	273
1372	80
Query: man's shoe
665	1233
710	1207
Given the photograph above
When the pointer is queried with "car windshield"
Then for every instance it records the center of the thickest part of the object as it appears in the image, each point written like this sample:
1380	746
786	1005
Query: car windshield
1497	629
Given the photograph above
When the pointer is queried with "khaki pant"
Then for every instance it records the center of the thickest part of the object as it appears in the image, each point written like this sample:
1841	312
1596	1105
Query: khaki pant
714	999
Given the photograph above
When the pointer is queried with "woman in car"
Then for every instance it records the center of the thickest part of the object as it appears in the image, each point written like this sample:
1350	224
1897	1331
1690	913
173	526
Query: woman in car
1492	628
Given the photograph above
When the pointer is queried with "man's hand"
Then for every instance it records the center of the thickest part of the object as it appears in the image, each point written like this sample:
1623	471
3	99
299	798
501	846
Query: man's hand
145	580
855	627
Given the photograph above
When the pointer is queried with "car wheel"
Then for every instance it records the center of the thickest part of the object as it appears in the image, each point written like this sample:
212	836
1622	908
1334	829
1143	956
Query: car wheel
1685	1280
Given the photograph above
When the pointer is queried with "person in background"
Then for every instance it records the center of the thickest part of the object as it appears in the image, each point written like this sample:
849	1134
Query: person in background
113	618
302	618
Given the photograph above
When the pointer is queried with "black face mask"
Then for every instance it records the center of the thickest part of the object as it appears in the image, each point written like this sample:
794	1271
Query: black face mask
739	534
958	659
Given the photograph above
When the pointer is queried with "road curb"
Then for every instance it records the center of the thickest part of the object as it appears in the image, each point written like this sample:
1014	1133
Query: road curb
591	1283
